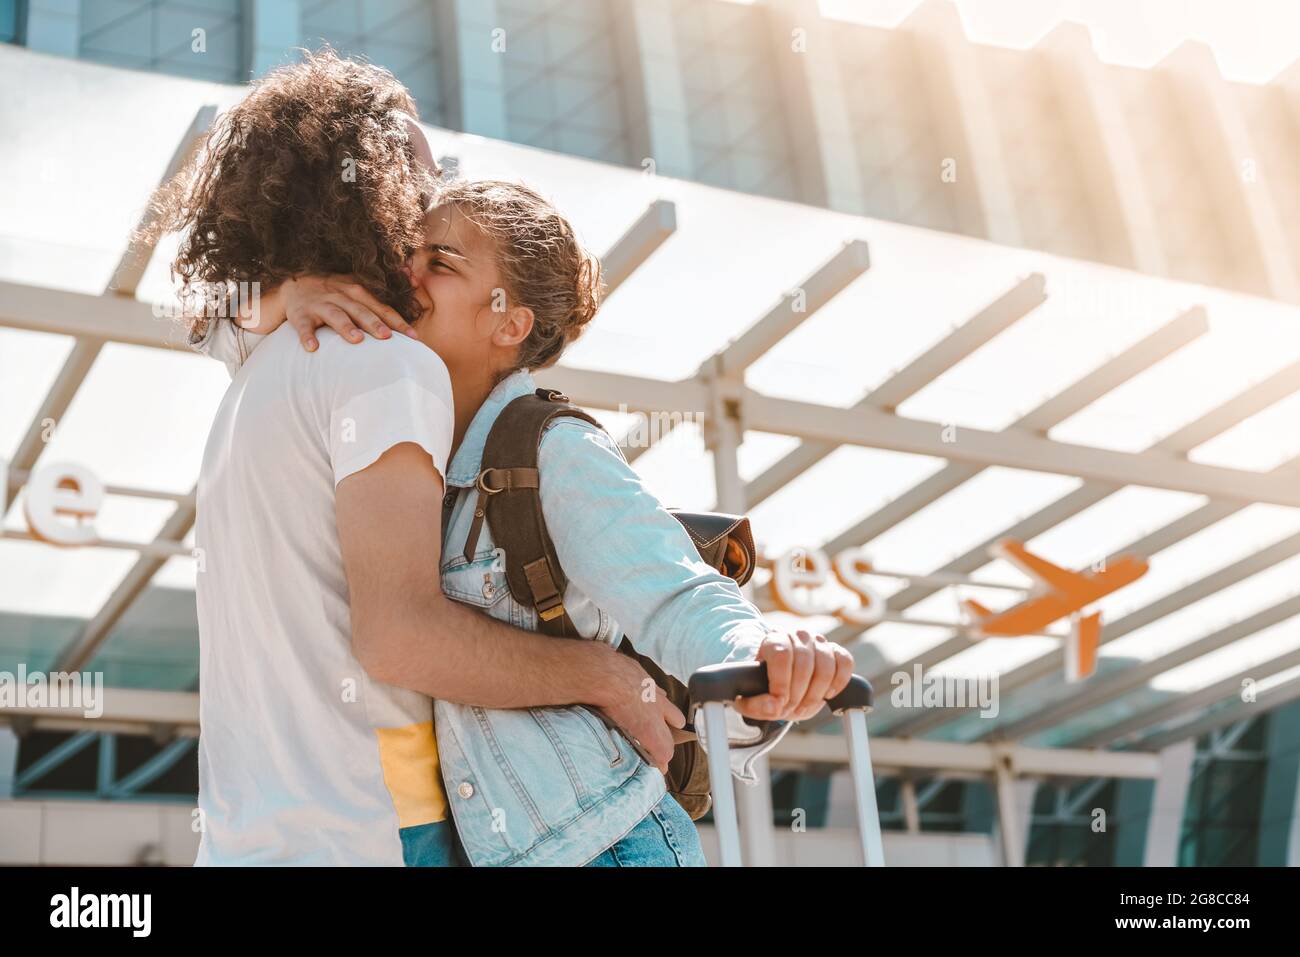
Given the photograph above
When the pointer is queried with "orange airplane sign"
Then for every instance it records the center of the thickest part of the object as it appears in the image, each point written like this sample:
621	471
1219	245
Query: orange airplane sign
1058	593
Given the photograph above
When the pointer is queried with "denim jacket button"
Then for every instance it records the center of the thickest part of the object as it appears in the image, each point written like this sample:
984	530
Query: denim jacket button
466	790
488	588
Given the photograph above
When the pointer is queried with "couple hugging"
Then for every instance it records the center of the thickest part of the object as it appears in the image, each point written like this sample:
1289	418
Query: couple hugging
372	690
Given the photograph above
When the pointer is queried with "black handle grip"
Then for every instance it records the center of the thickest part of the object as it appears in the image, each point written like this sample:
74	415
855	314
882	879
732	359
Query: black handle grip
745	679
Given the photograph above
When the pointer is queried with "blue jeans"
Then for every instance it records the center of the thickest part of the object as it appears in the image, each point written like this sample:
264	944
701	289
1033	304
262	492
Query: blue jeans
666	837
432	845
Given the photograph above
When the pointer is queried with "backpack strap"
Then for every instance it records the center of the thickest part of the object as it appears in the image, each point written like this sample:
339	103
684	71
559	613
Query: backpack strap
448	506
509	497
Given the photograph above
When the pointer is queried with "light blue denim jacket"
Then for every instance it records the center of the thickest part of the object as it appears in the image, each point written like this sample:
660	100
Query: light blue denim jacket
555	786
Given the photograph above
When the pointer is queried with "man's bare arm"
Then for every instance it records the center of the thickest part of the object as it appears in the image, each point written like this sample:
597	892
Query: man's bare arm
406	632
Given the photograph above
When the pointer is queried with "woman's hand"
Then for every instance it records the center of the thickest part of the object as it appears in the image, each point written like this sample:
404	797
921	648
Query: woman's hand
803	671
310	302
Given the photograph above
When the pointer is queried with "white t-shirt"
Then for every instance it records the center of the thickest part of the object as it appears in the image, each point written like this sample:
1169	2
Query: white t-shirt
303	759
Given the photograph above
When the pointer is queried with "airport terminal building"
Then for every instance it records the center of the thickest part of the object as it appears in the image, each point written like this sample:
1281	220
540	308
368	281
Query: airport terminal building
900	297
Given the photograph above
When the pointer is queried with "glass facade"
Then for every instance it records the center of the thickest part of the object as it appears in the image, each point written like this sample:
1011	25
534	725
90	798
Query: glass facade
116	767
1221	824
203	41
1074	826
11	25
942	805
400	36
563	80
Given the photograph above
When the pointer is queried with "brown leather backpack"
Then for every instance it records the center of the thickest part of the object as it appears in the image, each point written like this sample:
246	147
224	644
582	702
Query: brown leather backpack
509	499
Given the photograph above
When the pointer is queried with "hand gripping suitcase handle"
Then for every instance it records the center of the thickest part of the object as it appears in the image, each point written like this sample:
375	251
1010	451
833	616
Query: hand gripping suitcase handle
745	679
714	687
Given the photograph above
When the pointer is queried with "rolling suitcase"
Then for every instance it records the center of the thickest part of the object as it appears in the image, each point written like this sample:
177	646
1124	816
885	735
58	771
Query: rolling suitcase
715	687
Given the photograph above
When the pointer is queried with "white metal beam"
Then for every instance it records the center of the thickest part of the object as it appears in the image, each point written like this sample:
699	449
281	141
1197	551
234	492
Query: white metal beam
754	804
1110	375
121	289
872	428
911	807
129	271
81	649
1267	699
1168	805
634	247
63	313
155	549
1011	835
1225	577
21	477
894	755
1014	449
126	277
793	309
1047	664
1185	704
1105	688
977	557
125	711
61	392
1216	581
28	307
134	711
993	319
1251	401
609	390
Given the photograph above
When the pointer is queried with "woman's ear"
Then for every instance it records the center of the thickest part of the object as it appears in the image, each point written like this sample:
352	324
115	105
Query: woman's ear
516	328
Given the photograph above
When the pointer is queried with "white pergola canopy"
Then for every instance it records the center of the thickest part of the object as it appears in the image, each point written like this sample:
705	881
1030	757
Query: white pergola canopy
857	383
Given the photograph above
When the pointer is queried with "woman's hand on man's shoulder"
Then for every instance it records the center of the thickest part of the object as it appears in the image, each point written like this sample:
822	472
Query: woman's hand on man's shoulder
339	303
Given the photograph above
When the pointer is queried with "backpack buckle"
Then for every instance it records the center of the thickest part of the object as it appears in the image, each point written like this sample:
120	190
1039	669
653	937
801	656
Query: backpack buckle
550	614
484	487
552	395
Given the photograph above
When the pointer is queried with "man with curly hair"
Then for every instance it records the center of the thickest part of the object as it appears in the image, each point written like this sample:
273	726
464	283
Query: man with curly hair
321	168
311	752
324	631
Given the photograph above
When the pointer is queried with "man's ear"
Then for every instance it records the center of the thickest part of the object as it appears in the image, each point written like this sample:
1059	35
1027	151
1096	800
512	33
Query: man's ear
420	147
516	328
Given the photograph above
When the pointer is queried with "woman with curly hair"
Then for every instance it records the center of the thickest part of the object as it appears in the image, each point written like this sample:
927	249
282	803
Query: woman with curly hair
531	777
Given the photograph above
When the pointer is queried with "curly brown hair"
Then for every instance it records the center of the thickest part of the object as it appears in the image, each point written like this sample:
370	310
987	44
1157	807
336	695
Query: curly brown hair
542	263
312	172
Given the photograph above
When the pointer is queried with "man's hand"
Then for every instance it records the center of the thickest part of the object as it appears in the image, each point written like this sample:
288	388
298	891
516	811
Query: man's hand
339	302
803	670
641	710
